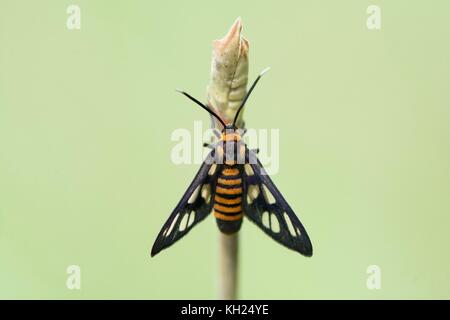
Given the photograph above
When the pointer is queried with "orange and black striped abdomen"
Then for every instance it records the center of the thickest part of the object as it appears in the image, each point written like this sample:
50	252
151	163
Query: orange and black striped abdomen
228	200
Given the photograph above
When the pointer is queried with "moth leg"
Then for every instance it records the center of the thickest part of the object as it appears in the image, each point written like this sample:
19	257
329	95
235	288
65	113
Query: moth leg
208	145
217	133
251	156
242	131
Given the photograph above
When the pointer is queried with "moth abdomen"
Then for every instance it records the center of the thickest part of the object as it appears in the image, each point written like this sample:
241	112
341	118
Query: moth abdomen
228	200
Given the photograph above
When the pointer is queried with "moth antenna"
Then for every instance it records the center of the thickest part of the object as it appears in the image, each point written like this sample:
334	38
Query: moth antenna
248	93
203	106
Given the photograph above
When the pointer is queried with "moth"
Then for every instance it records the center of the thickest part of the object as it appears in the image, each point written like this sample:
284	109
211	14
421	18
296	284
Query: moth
231	184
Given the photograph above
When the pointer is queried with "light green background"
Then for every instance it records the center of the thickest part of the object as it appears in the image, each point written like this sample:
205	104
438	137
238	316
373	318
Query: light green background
85	124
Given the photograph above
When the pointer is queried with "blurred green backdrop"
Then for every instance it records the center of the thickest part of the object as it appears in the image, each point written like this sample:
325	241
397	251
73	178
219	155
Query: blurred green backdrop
85	124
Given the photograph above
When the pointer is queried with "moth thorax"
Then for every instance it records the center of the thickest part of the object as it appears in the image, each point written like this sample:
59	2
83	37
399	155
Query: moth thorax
231	153
230	135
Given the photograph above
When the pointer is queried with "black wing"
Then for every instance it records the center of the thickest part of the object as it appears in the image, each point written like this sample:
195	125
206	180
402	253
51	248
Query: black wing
265	206
194	206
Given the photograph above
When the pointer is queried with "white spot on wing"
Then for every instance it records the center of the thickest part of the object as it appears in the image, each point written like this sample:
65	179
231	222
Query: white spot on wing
289	224
268	195
172	225
183	223
265	219
274	224
298	231
252	193
212	169
206	193
194	195
248	170
191	218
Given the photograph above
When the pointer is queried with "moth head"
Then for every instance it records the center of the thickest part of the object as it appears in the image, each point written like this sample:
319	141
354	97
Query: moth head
231	133
229	128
